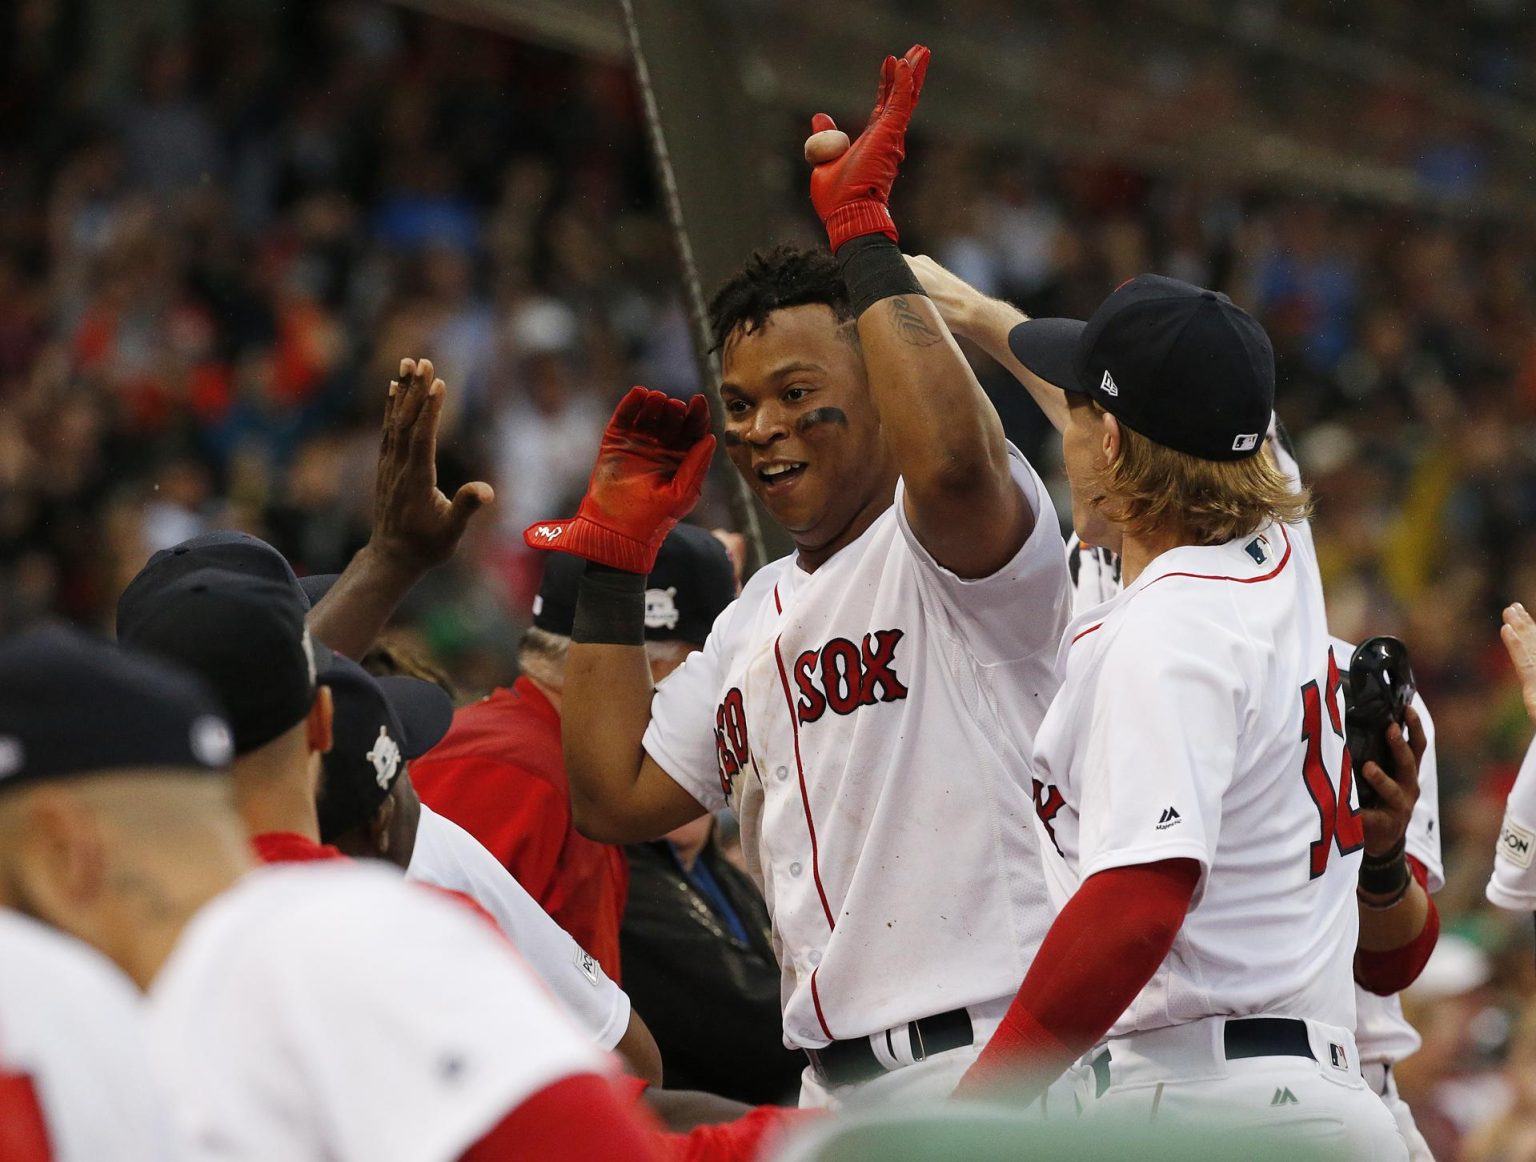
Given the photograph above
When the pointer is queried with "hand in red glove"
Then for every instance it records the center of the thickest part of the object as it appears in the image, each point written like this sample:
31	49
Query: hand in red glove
850	188
650	470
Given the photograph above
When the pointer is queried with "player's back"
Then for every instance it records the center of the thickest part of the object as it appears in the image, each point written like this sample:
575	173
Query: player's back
74	1081
1215	670
330	1011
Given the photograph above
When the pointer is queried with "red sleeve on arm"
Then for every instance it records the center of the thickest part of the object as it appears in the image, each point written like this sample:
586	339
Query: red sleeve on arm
1087	972
576	1117
740	1141
23	1130
1385	973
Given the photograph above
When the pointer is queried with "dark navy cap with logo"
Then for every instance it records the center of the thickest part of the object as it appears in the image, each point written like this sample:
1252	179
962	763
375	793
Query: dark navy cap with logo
692	582
1181	365
379	724
73	704
244	635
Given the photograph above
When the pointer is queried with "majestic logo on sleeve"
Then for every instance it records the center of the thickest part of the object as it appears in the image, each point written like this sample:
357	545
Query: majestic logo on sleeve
731	739
842	676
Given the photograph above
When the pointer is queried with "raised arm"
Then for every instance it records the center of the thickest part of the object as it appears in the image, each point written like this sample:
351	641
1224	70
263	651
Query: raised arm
946	438
650	469
986	321
415	526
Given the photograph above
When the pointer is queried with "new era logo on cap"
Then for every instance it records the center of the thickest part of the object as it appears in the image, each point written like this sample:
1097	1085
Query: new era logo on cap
1108	385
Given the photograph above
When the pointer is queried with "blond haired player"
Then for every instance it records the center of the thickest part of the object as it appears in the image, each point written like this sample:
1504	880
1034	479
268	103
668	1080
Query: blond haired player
867	704
1395	941
1192	776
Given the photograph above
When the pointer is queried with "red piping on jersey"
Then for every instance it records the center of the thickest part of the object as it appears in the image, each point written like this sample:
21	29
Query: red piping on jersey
816	1000
777	605
805	798
1275	572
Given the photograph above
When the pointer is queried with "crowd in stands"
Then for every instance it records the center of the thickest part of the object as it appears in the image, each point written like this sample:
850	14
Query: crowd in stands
205	286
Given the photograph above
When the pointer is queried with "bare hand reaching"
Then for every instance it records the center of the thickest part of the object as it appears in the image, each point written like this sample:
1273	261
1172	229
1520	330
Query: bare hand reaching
414	523
1519	634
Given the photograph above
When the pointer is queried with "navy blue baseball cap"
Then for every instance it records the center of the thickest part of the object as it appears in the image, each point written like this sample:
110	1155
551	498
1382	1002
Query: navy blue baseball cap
226	549
72	703
245	636
378	725
1174	362
692	582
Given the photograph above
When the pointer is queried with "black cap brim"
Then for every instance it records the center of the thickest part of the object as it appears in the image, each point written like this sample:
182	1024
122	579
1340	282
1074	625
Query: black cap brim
317	586
1048	347
425	712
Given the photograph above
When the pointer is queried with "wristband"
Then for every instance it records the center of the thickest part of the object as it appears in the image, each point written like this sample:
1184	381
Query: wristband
1386	875
874	269
610	607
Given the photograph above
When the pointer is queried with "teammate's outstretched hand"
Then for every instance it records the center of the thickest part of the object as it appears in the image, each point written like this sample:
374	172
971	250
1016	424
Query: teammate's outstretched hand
414	524
851	184
1519	634
1386	821
650	470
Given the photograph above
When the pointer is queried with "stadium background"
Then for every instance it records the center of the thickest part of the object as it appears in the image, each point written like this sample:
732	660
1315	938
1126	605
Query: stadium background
223	222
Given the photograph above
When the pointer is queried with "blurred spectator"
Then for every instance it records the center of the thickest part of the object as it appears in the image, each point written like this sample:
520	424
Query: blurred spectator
699	963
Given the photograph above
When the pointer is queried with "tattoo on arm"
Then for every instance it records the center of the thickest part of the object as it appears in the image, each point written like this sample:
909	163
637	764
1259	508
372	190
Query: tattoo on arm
911	325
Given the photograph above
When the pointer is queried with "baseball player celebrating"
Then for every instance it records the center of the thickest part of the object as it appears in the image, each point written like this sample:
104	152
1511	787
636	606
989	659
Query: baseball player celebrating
1194	780
867	704
1395	941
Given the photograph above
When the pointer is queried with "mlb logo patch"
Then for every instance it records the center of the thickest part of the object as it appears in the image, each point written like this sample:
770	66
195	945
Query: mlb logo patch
1246	443
1337	1056
1258	549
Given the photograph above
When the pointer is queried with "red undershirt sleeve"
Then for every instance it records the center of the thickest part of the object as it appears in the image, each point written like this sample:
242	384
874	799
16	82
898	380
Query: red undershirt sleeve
576	1117
1085	975
1385	973
743	1140
23	1129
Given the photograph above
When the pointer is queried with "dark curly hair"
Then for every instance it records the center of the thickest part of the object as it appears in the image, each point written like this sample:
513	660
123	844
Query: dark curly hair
786	276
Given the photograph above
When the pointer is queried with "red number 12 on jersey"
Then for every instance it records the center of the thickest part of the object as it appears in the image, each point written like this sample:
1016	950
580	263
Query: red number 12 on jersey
1339	821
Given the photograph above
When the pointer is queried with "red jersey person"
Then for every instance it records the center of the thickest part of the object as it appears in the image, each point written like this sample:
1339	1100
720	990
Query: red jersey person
500	772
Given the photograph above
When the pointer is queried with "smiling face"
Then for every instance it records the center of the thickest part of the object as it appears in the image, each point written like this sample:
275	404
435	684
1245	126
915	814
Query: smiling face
801	428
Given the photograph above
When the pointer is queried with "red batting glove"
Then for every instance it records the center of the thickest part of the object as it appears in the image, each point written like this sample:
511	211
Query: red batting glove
850	193
649	473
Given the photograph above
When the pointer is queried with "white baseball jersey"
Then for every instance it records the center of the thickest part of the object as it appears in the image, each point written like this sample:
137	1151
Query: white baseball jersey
447	856
73	1025
1200	718
1382	1033
329	1012
870	724
1513	883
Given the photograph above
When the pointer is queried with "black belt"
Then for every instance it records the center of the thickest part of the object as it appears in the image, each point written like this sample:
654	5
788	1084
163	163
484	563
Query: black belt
1242	1037
846	1062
